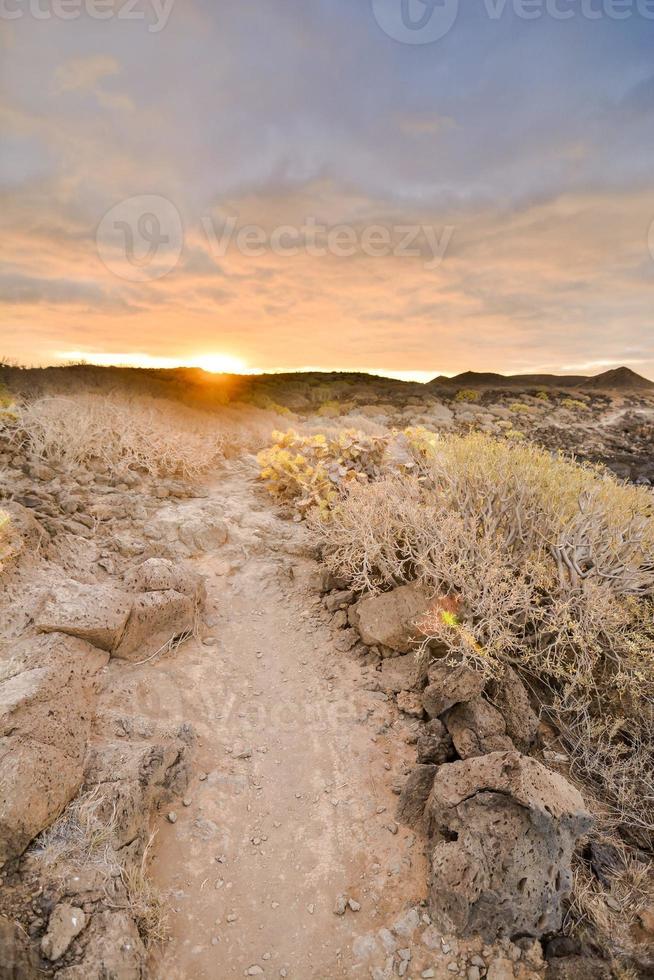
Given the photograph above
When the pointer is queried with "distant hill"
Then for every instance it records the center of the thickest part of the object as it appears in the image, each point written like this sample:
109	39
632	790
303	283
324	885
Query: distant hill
489	379
622	377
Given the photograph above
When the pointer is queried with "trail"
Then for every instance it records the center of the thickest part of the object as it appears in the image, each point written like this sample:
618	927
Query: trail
290	800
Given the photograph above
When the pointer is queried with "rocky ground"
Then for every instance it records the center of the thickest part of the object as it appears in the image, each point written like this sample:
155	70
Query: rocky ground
280	791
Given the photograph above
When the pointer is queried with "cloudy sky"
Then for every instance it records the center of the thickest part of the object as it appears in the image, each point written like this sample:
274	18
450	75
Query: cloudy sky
374	184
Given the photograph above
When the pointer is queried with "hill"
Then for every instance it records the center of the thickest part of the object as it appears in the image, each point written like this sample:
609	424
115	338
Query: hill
619	378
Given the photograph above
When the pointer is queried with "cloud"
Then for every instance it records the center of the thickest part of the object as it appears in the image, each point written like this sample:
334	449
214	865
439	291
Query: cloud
274	114
83	74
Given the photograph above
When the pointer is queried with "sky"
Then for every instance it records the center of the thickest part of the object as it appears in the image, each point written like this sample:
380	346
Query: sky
406	186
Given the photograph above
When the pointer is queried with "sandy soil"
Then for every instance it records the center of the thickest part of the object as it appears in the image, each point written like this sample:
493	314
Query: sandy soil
290	803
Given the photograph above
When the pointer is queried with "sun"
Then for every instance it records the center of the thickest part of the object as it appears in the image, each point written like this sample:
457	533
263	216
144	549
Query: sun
221	364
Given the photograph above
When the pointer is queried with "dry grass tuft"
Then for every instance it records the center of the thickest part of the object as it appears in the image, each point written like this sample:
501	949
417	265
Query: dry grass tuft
82	838
145	903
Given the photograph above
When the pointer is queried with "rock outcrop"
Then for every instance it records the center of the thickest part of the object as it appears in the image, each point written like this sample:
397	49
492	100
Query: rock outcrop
450	684
389	619
509	696
129	626
113	949
477	728
415	793
504	828
47	702
95	613
155	619
161	575
401	674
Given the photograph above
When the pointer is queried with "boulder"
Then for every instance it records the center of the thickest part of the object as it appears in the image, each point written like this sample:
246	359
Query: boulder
416	790
161	574
450	684
156	619
477	728
389	619
435	746
504	828
95	613
47	702
65	923
410	703
113	950
510	697
401	674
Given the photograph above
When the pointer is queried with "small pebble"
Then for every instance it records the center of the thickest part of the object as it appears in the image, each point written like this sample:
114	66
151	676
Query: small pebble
172	817
340	905
355	906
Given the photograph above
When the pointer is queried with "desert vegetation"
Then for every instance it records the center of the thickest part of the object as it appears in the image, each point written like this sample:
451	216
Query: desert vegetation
553	566
458	553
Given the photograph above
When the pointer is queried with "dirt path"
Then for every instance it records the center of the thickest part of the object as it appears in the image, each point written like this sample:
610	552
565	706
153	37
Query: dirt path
290	803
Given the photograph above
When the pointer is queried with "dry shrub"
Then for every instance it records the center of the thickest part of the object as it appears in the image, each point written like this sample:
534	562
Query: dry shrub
608	912
554	566
158	436
154	435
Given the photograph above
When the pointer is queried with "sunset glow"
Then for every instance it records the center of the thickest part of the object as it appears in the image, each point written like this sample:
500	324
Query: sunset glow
388	213
213	363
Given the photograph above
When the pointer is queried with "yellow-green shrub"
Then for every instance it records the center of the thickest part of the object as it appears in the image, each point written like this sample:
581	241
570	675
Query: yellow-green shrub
574	404
466	395
522	407
312	471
